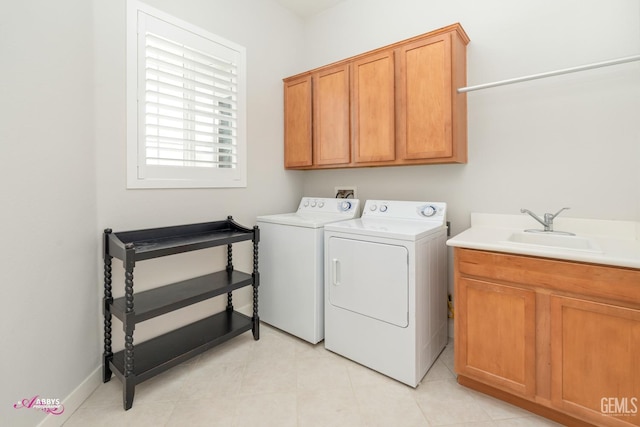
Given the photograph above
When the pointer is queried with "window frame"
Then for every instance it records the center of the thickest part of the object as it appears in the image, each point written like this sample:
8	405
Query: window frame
138	176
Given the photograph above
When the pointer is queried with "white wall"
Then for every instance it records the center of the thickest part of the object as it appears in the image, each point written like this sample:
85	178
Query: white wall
62	133
48	309
565	141
271	36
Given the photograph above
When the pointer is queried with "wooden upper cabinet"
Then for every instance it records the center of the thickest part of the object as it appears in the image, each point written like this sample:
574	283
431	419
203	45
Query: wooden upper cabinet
331	129
297	122
396	105
373	103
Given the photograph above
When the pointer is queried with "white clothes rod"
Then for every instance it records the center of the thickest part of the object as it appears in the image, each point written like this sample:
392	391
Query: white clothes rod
551	73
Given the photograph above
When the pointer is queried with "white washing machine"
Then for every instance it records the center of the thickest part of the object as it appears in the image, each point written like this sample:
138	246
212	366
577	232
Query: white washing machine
386	287
292	265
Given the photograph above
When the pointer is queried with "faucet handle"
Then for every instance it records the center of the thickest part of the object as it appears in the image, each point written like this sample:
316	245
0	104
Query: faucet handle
557	213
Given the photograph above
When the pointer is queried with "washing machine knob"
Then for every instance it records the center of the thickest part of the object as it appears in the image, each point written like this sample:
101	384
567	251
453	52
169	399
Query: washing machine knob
320	204
428	210
383	208
345	206
306	203
313	204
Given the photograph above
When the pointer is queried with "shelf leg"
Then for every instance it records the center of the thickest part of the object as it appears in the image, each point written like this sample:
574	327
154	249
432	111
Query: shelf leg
129	382
256	319
107	355
128	392
229	258
229	270
229	301
256	283
129	326
256	328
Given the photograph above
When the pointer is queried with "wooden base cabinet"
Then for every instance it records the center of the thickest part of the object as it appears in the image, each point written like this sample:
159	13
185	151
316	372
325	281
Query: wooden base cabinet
558	338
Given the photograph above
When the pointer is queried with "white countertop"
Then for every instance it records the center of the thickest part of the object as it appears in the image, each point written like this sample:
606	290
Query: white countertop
619	241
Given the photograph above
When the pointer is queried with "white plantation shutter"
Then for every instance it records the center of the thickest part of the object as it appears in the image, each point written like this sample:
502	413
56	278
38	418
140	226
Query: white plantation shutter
190	108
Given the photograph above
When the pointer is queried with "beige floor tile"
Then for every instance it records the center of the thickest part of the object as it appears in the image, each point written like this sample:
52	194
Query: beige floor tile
452	412
269	376
497	409
218	412
328	408
322	373
283	381
438	371
267	410
140	415
211	380
383	406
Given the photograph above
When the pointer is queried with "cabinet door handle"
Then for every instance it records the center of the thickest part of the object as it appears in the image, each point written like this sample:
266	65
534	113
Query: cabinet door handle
335	272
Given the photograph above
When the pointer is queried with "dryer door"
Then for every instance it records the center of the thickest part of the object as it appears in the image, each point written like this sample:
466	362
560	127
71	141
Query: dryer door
369	278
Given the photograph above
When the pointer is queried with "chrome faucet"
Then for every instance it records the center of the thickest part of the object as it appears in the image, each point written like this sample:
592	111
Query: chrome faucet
547	222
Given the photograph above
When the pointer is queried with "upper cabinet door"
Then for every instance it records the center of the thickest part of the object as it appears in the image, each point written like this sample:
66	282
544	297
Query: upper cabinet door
425	99
331	130
373	104
297	122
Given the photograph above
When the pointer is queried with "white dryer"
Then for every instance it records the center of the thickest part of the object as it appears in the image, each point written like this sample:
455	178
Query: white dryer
292	265
386	287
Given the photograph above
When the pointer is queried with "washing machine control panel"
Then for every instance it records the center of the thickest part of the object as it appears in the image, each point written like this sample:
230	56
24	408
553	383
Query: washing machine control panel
433	211
328	205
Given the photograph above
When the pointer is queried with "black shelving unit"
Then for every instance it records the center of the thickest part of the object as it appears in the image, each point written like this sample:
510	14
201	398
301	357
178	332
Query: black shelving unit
135	364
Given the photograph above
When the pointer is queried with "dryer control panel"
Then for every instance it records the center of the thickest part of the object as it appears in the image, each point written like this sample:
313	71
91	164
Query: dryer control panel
431	211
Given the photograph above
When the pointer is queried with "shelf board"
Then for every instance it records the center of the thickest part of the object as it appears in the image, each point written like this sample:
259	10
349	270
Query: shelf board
156	355
161	300
158	242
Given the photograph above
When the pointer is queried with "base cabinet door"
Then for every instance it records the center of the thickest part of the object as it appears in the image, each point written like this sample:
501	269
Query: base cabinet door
595	361
495	335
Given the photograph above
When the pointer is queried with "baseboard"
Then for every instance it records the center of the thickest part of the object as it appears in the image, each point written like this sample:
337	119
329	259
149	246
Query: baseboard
73	401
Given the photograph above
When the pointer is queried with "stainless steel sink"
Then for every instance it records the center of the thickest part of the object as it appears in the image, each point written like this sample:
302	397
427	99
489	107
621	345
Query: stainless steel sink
554	241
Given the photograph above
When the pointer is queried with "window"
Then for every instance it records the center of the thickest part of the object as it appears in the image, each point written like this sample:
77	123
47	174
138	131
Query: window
185	104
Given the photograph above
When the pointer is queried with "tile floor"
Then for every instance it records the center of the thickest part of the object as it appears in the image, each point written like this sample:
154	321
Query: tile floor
283	381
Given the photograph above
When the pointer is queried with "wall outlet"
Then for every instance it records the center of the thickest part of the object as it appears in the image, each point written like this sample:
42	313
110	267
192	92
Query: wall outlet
345	192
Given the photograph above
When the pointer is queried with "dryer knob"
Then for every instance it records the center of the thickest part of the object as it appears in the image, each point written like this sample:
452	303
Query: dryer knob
428	210
373	207
383	208
345	206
